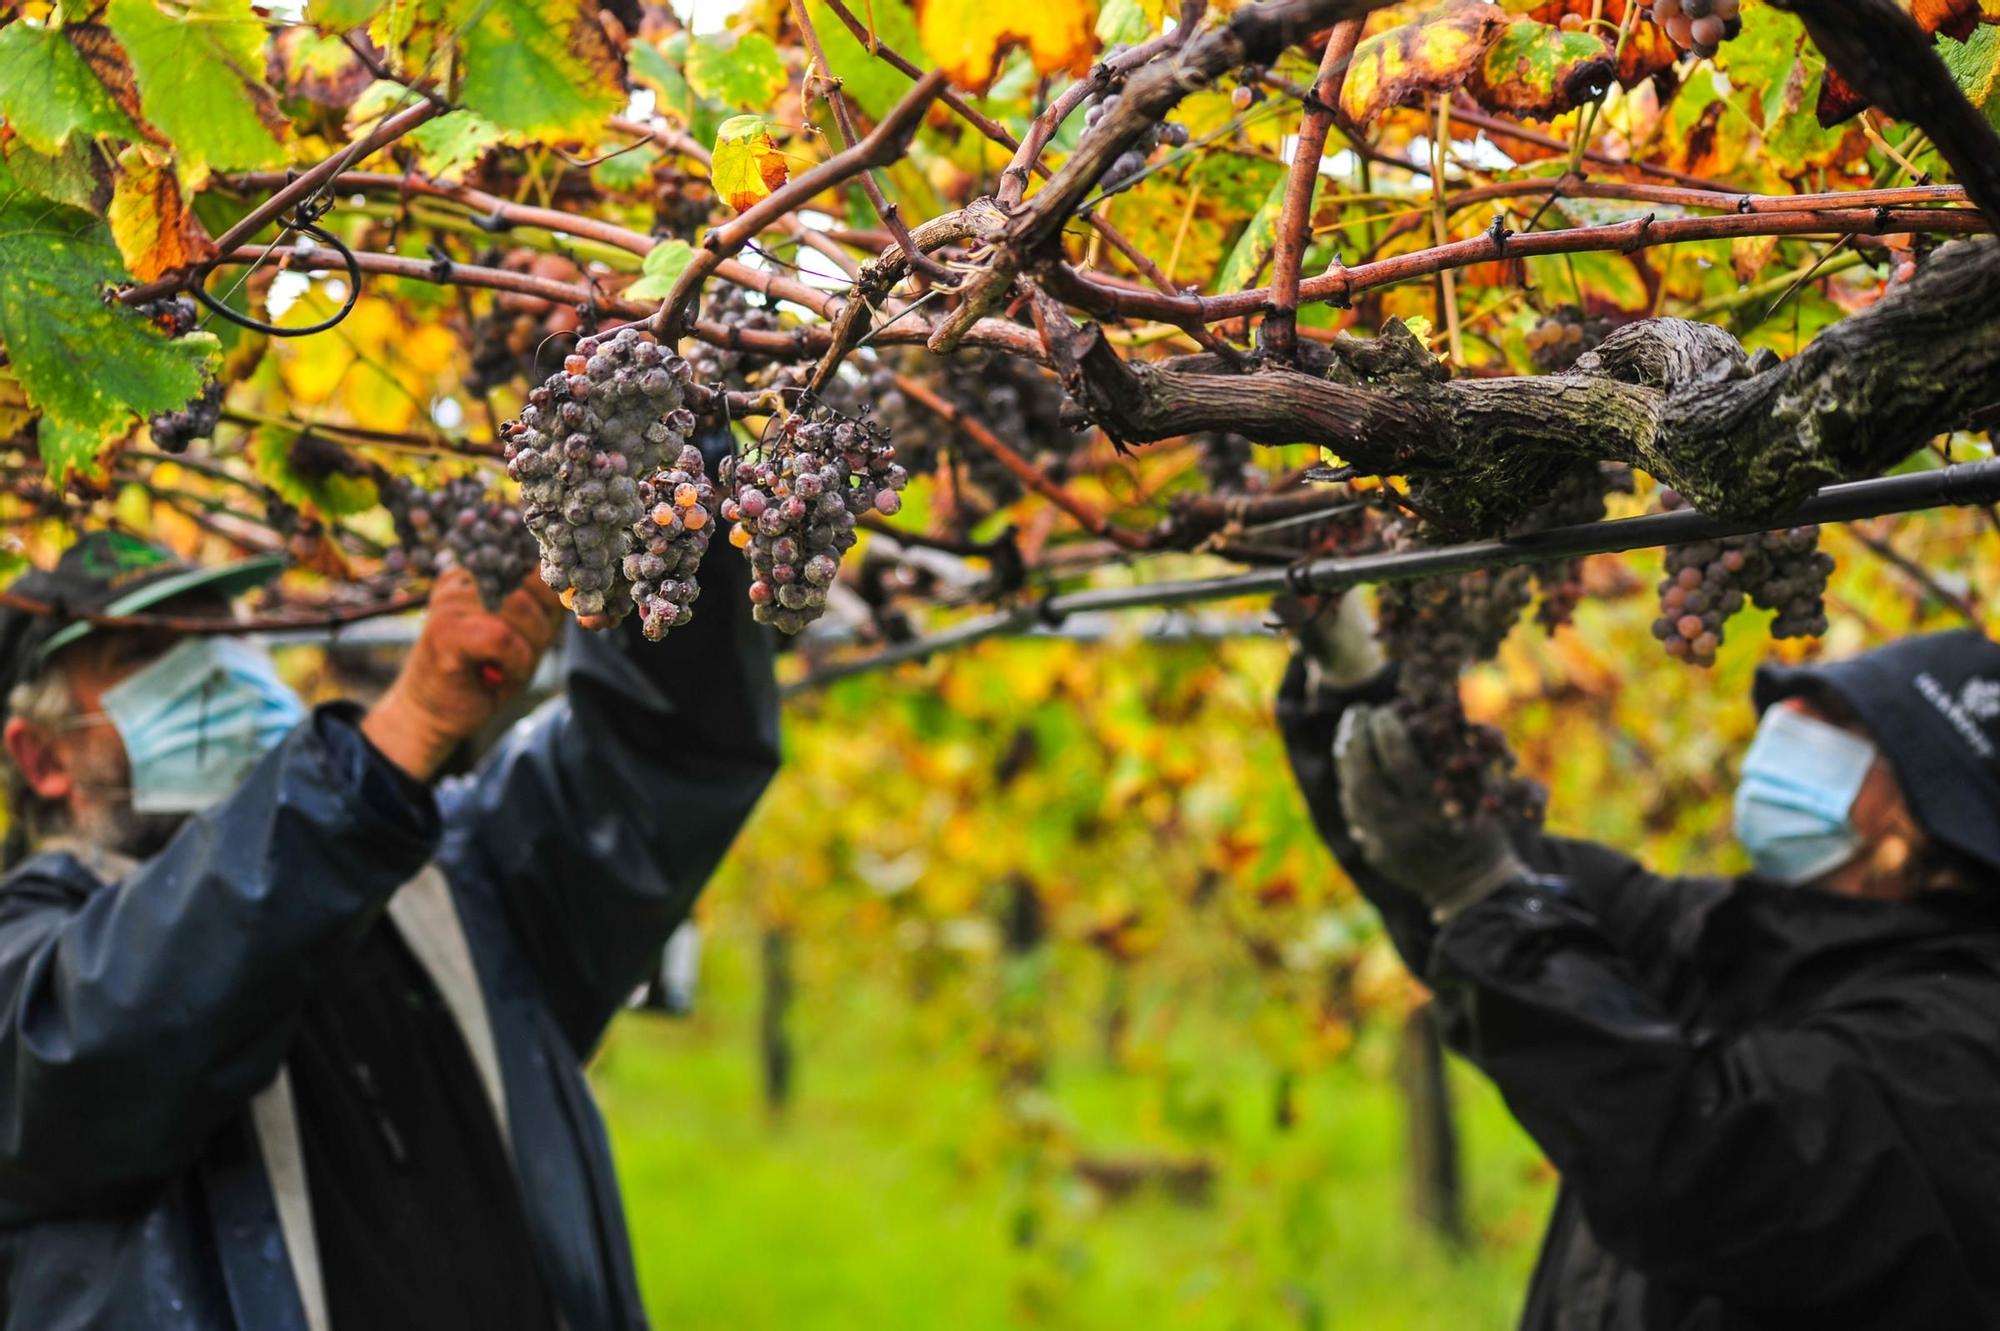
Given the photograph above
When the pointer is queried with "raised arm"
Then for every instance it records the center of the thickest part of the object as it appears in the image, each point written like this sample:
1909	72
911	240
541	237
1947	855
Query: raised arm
601	816
136	1017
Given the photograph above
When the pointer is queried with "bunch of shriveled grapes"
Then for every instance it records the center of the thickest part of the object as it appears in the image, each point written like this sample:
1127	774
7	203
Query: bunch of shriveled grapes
724	367
1020	404
461	524
794	504
1708	581
1556	342
174	430
1130	164
1700	27
1578	498
587	437
671	537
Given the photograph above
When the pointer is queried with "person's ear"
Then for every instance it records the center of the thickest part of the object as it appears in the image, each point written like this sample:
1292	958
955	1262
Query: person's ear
34	752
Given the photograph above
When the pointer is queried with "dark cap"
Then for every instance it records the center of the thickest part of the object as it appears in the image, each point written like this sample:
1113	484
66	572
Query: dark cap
1932	705
108	573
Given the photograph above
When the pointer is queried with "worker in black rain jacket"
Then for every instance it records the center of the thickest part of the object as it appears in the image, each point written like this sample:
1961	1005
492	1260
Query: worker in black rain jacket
1774	1101
292	1040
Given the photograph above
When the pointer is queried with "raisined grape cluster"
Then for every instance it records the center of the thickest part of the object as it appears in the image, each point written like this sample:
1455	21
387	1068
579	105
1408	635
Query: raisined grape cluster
460	524
723	367
1708	581
1014	399
609	419
174	430
1556	342
1129	165
670	539
1699	27
794	505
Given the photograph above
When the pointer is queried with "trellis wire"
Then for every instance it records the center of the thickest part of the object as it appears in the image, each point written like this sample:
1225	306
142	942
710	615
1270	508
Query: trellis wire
1957	484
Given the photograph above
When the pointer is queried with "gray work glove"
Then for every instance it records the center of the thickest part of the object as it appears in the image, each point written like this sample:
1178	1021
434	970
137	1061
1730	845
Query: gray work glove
1387	792
1336	637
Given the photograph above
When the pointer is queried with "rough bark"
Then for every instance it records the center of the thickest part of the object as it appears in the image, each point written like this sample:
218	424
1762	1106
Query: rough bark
1738	436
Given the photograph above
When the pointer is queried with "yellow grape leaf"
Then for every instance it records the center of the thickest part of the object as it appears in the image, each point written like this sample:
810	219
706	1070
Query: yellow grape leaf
966	38
747	165
1750	255
155	230
15	413
1436	53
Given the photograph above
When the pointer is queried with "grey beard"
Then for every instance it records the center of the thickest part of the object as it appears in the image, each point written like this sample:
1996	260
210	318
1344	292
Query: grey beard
115	827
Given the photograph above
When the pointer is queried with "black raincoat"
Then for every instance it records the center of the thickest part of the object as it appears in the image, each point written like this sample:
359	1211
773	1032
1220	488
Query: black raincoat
1770	1107
138	1018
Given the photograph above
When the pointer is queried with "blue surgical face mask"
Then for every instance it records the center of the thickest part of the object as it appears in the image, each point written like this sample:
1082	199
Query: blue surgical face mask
1793	805
197	720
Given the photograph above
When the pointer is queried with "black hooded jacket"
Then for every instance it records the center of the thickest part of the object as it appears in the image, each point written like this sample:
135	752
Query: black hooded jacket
1770	1107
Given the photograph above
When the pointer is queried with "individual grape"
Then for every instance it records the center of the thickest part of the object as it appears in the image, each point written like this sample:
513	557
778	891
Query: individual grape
174	430
669	541
460	524
794	505
588	436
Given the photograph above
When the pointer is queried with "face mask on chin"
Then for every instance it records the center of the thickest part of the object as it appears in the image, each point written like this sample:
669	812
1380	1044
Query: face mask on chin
1794	805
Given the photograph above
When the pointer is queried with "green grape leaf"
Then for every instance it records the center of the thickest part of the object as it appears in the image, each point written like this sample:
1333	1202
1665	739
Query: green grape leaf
70	176
65	447
453	142
627	171
1123	23
201	81
747	165
659	68
1254	246
868	82
1975	65
663	265
88	364
48	93
537	67
746	75
344	15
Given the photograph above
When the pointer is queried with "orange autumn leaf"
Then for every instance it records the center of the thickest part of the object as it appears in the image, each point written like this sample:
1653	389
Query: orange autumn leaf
154	229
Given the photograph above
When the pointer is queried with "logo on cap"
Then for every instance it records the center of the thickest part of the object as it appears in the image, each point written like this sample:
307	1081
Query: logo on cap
1980	698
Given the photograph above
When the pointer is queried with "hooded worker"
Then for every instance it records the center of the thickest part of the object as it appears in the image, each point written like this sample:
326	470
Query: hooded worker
291	1039
1773	1100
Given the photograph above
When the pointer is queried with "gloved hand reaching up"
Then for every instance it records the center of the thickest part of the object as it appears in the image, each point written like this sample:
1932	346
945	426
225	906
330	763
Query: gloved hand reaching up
1337	639
1393	812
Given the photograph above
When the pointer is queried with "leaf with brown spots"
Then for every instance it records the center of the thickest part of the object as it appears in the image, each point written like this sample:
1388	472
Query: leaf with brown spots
106	58
1439	52
1648	51
155	231
1538	71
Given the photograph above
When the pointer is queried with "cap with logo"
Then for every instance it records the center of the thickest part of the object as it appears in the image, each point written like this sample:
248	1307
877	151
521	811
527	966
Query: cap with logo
108	573
1932	705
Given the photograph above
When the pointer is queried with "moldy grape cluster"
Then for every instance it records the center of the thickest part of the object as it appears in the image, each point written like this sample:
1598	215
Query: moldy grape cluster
671	537
587	437
1128	165
460	525
794	507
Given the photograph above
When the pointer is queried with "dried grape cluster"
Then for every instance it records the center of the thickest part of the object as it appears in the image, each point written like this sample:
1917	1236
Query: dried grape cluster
724	367
1708	581
1699	27
174	430
609	419
1556	342
671	537
1021	405
461	524
794	506
1131	163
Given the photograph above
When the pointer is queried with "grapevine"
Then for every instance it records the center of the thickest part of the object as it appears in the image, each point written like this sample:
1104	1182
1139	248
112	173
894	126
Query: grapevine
794	504
587	437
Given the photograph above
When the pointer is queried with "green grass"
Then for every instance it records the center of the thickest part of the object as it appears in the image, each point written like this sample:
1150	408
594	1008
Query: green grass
889	1194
